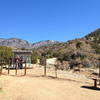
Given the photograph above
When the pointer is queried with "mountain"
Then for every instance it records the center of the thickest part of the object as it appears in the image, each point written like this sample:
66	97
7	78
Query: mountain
15	42
94	36
1	39
19	43
44	43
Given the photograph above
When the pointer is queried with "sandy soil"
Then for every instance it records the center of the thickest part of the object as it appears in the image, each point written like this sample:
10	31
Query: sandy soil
35	87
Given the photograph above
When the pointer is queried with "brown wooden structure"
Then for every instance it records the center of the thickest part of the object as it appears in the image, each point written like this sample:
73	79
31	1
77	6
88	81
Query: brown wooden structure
25	55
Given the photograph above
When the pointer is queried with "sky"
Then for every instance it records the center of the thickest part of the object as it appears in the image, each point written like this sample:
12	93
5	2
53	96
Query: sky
37	20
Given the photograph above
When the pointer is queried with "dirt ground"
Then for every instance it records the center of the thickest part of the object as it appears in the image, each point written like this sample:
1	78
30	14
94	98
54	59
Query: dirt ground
33	86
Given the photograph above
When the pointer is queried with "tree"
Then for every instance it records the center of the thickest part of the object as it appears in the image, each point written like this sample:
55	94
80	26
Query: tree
5	54
34	57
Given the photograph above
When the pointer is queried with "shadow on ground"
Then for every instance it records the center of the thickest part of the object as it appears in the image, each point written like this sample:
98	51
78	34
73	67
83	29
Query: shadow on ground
48	77
91	88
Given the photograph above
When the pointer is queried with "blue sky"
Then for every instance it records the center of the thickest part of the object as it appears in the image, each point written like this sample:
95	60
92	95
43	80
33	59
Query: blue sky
36	20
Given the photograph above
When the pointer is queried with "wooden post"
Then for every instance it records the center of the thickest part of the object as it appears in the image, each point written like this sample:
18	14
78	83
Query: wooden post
95	83
44	70
99	72
9	68
25	69
1	67
56	71
16	68
44	61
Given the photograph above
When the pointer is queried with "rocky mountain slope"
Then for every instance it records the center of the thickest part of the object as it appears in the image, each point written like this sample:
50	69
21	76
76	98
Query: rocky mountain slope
15	42
19	43
44	43
94	38
79	52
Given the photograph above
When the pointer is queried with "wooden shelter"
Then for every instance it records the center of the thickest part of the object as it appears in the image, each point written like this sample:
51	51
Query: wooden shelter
23	55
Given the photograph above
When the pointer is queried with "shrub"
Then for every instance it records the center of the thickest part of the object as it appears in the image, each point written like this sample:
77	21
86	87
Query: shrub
78	44
5	54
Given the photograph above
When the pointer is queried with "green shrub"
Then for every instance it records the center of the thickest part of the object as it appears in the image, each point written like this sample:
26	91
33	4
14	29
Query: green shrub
35	56
5	54
78	44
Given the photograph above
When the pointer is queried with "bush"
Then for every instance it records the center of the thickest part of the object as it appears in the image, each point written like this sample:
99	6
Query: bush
5	54
78	44
34	58
97	50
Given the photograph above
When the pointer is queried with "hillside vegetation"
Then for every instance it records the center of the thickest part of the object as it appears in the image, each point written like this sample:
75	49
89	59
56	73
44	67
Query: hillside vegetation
84	52
94	37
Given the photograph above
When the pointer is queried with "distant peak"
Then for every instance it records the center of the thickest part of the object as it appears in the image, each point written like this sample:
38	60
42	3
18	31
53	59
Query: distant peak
14	38
44	43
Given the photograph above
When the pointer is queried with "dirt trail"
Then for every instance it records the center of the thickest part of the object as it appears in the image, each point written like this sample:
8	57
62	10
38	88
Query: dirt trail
33	87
